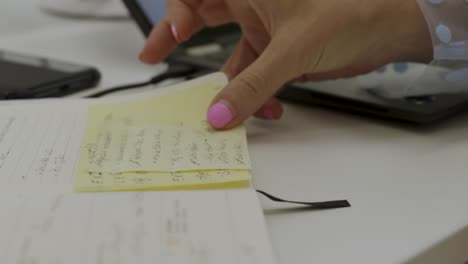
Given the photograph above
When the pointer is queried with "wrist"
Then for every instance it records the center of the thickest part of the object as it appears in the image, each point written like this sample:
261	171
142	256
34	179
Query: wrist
416	42
406	30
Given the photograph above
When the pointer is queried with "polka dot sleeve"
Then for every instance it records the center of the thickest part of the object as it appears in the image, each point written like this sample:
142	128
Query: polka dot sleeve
448	24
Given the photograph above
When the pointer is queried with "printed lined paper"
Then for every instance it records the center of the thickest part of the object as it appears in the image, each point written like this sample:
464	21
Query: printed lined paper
153	227
39	145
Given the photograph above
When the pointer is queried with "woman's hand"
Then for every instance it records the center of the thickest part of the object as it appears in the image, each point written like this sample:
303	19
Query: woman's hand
285	40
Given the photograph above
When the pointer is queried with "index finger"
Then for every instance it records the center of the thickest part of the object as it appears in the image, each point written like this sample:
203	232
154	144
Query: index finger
180	22
159	44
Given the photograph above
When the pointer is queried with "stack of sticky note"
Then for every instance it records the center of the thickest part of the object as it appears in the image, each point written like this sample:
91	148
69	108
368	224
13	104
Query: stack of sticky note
161	143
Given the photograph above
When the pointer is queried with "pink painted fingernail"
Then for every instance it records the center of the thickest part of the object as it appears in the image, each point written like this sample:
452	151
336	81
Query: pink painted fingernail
142	57
219	115
174	33
268	114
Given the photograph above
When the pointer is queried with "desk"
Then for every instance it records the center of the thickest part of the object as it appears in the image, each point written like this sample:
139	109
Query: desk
407	185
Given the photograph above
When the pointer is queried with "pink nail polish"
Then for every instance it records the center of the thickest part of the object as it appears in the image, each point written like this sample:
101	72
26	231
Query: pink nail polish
268	114
141	57
219	115
174	33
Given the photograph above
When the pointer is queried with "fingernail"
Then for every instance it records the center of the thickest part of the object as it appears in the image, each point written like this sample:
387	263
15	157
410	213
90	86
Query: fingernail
268	114
219	115
141	57
174	33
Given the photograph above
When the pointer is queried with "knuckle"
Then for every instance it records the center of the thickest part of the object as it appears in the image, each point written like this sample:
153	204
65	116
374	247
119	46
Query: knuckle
254	85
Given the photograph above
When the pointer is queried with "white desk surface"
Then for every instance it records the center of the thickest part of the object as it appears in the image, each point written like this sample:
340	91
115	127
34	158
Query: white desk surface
408	185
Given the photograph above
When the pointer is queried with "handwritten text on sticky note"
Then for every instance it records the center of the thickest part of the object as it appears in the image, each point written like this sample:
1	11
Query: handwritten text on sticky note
166	149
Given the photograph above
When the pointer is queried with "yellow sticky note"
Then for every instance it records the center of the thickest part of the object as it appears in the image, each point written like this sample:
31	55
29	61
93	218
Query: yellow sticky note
169	149
115	182
161	143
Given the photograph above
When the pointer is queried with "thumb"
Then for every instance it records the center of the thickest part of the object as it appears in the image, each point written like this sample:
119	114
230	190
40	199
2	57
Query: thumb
253	87
242	56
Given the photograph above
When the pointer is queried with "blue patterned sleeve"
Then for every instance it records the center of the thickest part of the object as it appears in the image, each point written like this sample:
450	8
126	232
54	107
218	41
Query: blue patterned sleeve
448	23
448	72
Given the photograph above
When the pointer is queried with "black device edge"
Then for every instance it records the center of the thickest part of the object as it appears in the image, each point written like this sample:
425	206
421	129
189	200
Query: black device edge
76	82
139	16
145	26
303	96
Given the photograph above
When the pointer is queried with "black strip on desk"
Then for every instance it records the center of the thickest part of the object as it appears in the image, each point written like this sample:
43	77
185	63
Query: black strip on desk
312	205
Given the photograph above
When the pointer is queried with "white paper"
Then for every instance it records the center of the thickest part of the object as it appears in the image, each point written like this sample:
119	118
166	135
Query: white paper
39	145
208	227
40	139
44	222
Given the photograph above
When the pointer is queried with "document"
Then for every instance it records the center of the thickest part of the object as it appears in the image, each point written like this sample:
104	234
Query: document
41	141
39	145
199	227
161	143
44	222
